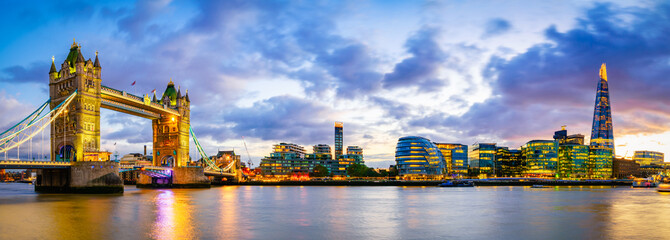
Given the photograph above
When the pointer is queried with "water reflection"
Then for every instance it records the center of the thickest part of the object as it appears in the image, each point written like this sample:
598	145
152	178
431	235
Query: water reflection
251	212
173	216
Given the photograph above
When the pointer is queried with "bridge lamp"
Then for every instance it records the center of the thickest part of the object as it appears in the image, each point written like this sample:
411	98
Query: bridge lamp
173	119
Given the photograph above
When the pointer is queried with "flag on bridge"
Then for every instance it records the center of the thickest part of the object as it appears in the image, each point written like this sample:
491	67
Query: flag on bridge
133	84
153	91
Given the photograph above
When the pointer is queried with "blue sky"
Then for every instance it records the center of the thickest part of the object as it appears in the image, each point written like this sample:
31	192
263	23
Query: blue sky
284	71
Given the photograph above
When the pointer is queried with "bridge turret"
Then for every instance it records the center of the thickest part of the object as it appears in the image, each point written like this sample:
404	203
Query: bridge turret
53	73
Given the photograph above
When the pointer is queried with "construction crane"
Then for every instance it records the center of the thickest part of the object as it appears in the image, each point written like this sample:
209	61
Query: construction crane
249	163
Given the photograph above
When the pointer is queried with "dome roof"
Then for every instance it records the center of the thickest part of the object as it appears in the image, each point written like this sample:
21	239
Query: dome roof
171	93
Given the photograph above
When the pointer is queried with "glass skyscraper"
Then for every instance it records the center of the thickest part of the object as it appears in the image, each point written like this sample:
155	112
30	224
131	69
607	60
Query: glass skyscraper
541	158
338	138
456	157
601	151
418	157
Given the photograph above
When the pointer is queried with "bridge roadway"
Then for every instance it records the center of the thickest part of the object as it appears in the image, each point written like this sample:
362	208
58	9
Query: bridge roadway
150	170
15	164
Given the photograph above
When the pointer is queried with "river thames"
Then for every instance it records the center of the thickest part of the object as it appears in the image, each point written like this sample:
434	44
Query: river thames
287	212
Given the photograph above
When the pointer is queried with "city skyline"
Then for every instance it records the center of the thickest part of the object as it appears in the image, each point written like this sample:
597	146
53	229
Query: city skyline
285	73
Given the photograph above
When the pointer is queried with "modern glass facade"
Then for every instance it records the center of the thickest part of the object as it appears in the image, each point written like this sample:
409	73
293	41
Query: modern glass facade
418	157
541	158
573	161
646	158
339	138
602	130
509	163
600	162
455	156
286	159
338	167
482	158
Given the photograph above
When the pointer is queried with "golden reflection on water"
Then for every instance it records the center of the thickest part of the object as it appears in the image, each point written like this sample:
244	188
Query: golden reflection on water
229	222
173	215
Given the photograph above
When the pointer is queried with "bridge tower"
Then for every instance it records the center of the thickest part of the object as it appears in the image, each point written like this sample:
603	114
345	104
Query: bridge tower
171	133
75	135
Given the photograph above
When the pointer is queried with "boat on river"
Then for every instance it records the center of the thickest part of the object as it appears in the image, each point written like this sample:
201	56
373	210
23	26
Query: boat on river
663	187
539	186
456	184
644	183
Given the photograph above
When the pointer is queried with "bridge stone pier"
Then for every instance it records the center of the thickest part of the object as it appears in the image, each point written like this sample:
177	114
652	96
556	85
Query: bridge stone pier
182	177
81	177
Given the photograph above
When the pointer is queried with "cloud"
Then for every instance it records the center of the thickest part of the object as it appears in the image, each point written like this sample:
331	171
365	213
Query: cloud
421	68
283	117
554	84
37	72
496	27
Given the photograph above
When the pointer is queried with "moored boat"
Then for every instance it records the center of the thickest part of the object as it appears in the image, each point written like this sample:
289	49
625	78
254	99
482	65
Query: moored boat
663	187
644	183
539	186
456	184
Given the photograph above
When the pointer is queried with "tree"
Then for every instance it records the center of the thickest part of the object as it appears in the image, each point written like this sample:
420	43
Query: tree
319	171
360	170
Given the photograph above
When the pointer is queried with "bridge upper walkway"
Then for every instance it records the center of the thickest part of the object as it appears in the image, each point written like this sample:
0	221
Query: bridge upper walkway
12	164
128	103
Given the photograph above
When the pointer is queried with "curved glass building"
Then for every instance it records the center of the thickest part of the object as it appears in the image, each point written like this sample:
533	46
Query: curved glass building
418	157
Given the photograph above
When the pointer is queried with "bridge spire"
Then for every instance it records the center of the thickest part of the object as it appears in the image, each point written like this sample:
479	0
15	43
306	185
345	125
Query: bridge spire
97	63
53	65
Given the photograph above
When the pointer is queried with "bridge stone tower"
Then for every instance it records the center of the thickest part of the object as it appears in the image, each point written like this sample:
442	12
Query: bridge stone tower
171	133
76	133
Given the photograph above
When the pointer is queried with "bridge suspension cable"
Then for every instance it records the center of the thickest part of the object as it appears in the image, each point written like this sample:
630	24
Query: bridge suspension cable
204	156
33	124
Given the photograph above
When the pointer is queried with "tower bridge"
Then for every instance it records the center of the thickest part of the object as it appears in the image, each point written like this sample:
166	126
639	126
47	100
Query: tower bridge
76	95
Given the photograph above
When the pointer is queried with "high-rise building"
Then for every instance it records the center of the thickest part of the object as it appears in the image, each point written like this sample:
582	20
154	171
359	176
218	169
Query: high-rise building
541	158
601	152
338	138
286	159
455	156
509	163
646	158
482	158
418	157
602	131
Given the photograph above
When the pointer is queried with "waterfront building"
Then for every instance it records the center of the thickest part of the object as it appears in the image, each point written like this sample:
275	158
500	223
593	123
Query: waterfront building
455	156
645	158
338	167
134	159
624	168
509	163
601	153
573	161
482	159
339	138
418	157
600	162
541	158
650	170
285	160
354	150
223	158
321	149
573	155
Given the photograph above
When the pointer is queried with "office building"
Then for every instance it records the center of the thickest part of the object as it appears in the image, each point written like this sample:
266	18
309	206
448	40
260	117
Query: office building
646	158
509	163
601	151
455	156
482	159
541	158
418	157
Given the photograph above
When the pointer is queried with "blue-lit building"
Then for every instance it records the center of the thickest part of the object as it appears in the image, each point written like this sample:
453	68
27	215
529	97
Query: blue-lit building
573	155
455	156
418	157
482	159
601	152
541	158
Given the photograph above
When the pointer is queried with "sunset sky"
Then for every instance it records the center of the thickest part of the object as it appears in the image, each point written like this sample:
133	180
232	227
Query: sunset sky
285	71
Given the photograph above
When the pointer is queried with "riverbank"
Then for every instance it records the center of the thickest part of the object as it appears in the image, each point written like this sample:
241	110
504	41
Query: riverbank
478	182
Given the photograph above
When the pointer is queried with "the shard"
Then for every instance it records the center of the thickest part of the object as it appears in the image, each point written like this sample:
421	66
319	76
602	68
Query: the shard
602	131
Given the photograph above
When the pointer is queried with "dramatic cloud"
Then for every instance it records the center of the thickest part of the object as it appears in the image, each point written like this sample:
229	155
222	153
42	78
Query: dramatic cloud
554	84
283	117
421	68
34	73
